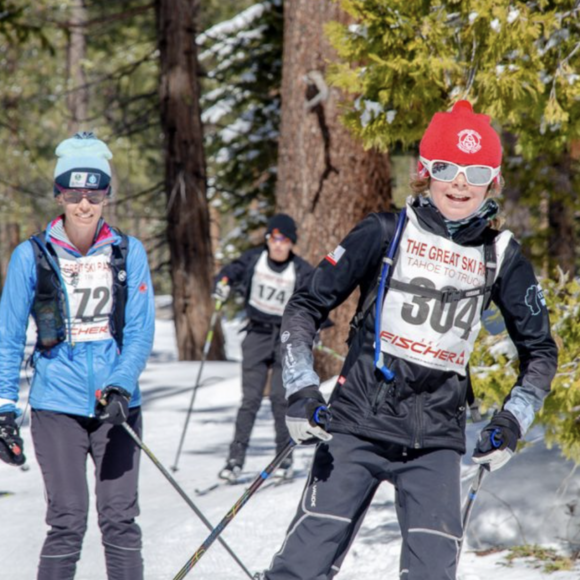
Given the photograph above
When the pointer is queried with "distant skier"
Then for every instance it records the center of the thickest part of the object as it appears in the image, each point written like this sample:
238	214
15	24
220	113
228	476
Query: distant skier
267	276
398	411
89	291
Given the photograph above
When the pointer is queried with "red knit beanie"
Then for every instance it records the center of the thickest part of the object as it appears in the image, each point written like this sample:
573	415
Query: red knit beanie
462	137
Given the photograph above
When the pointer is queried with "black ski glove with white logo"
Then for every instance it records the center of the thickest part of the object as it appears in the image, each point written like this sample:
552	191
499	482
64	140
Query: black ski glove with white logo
112	405
308	417
497	442
11	445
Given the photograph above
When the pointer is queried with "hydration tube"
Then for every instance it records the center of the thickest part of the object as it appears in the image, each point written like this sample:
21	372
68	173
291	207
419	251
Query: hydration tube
387	263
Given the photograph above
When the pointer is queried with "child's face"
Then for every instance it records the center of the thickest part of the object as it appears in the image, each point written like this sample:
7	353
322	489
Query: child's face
456	199
279	247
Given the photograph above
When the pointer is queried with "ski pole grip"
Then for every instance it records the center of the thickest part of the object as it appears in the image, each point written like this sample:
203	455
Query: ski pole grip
102	400
496	438
322	416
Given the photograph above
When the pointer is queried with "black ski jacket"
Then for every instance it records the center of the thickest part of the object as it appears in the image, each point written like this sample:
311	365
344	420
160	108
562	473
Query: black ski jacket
423	408
240	273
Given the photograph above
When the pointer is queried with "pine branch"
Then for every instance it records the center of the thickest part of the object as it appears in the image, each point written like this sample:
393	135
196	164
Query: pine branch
68	25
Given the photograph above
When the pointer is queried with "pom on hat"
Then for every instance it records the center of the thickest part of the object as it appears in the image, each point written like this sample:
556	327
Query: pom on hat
83	162
284	225
462	137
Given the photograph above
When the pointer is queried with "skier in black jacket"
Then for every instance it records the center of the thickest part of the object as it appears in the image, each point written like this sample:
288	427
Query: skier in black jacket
267	276
398	411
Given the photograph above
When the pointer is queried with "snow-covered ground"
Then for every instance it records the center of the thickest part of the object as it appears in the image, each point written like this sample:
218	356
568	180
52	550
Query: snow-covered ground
530	501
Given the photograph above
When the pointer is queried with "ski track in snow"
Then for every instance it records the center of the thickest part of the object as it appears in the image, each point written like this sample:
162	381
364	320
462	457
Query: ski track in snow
530	484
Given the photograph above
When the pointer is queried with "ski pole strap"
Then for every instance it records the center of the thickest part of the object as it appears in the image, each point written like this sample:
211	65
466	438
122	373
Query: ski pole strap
387	263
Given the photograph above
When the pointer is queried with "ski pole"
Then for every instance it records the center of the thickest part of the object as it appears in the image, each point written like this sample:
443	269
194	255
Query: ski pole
180	491
206	347
329	351
471	495
215	533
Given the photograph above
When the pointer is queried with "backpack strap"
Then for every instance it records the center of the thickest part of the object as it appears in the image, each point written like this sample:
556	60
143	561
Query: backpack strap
490	257
366	303
119	254
454	295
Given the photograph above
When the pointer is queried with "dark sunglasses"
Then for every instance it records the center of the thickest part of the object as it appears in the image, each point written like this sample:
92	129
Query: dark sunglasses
93	196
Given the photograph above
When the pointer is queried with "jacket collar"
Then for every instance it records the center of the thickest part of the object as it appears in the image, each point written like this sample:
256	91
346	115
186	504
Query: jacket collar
474	232
56	234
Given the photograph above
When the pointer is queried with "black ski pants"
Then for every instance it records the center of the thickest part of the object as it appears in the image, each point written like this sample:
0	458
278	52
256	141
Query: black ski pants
62	443
344	477
260	352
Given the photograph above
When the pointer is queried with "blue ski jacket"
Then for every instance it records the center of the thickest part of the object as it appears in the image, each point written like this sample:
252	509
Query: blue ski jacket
67	378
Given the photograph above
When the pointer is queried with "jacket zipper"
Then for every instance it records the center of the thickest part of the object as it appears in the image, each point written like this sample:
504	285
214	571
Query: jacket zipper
418	421
380	396
91	380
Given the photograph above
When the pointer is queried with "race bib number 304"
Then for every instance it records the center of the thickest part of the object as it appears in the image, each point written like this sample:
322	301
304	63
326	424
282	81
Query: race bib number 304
88	282
424	330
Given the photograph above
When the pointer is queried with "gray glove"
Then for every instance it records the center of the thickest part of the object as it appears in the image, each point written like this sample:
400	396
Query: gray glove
308	417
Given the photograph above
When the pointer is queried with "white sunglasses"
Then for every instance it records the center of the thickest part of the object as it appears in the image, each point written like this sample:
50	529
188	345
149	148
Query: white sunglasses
448	171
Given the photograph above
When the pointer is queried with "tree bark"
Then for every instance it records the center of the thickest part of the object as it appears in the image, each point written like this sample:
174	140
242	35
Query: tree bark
9	239
78	97
188	224
562	229
326	180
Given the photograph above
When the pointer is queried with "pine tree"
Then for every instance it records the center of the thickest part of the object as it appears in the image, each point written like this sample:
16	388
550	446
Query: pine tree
241	113
404	61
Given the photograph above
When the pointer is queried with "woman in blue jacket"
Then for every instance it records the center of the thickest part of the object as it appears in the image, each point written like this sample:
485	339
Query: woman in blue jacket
88	288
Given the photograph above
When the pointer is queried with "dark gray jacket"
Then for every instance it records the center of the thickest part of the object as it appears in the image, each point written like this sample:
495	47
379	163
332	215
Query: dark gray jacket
423	407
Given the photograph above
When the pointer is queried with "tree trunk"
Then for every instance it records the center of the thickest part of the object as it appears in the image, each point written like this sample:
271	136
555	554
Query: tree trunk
561	210
326	180
78	97
188	226
9	239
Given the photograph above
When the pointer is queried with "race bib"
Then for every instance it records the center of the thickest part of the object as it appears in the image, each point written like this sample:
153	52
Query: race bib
271	291
424	330
88	283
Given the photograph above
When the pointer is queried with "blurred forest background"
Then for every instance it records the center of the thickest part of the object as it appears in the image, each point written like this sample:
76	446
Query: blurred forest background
221	112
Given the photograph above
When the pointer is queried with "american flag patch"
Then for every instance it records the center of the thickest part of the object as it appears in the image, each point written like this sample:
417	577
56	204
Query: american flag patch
335	255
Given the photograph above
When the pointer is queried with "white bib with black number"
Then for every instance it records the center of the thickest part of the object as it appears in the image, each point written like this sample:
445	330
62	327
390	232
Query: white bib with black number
271	290
423	330
88	283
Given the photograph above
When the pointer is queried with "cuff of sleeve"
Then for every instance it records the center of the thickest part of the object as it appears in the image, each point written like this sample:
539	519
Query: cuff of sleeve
311	392
10	408
523	403
116	389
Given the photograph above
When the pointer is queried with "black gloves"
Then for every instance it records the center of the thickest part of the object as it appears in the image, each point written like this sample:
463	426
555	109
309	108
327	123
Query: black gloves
497	441
112	405
307	416
11	446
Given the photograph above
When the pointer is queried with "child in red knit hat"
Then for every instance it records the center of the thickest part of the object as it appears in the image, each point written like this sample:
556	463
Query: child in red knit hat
398	410
462	153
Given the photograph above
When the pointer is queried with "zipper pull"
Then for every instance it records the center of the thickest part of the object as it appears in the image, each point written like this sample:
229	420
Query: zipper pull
380	396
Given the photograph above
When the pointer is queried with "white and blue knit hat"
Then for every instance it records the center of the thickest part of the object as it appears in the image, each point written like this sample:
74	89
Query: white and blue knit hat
82	163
